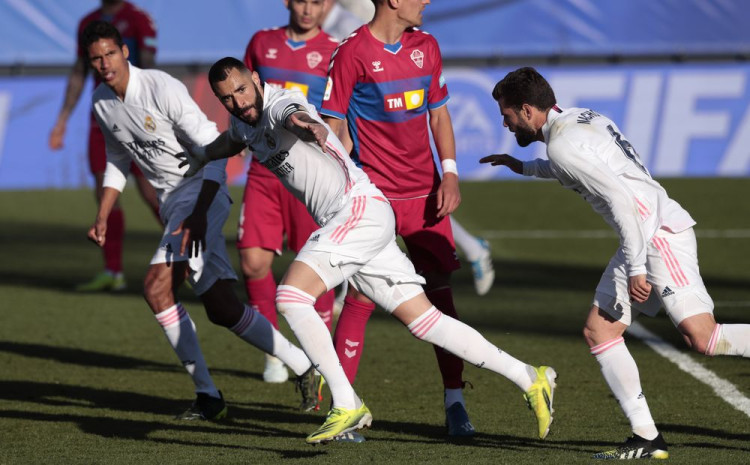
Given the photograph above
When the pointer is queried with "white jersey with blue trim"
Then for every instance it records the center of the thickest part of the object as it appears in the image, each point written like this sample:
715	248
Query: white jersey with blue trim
322	181
155	121
588	154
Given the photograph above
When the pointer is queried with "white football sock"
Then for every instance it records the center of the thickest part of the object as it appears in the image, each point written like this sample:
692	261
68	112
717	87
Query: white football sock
621	374
469	245
465	342
313	335
180	332
730	340
452	396
254	328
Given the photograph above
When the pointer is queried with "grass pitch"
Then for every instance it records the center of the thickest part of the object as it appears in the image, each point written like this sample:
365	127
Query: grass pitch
90	378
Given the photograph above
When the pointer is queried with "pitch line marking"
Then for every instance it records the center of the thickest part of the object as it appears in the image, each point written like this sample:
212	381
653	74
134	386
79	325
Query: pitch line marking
600	234
723	388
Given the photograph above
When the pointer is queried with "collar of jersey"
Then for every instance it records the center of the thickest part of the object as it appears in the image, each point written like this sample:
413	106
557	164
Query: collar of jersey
392	48
552	115
295	45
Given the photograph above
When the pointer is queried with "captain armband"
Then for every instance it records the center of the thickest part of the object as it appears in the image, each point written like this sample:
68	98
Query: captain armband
290	109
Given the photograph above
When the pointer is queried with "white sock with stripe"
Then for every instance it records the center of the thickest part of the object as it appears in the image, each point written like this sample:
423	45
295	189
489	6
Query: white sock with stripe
730	340
254	328
621	374
180	332
313	335
465	342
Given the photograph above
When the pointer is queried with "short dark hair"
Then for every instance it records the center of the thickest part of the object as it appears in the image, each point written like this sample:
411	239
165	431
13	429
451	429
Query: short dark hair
97	30
221	69
524	85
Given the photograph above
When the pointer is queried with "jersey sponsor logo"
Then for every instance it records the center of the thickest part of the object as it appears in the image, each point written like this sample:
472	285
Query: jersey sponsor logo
376	68
149	124
146	149
314	59
298	86
417	57
271	53
329	88
289	85
408	100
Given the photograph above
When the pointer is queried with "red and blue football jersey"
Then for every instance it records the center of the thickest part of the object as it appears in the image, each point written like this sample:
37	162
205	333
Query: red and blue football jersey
288	64
385	91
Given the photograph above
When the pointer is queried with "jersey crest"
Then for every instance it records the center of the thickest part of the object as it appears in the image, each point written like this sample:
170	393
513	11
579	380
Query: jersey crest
417	57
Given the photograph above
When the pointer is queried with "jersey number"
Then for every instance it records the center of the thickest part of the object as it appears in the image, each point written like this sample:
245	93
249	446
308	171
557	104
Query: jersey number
627	149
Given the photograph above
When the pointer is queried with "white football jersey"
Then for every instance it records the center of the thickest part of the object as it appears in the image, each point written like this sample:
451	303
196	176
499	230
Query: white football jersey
322	181
588	154
155	121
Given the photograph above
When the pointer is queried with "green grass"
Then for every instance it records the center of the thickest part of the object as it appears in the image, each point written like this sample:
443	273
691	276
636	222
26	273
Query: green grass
90	378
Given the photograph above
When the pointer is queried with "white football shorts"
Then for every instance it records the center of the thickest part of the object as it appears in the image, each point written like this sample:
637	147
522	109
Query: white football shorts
672	270
359	244
211	265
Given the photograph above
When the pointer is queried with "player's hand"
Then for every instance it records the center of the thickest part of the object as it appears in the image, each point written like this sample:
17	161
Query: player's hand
98	233
504	159
312	131
638	288
448	195
56	136
196	159
193	230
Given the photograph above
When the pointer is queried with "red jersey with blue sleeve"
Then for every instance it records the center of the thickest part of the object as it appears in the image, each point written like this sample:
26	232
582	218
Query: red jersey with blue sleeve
136	27
385	91
288	64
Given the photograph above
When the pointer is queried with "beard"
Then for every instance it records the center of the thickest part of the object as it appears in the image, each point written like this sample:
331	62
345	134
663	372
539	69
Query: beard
258	105
525	136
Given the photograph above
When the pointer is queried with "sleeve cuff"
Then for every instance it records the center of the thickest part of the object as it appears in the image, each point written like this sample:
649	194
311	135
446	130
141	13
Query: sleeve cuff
439	103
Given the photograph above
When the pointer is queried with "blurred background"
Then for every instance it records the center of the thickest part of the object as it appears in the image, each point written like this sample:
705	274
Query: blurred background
673	74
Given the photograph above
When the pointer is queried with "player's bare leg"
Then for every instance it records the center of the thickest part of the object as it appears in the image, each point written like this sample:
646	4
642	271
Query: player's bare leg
703	334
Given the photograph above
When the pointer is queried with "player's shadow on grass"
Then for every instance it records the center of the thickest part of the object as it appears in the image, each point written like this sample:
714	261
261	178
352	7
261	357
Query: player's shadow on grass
695	431
116	428
89	358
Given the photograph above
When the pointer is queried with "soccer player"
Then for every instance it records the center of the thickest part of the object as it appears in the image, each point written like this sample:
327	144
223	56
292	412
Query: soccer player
339	23
292	57
145	116
356	241
139	33
657	261
384	80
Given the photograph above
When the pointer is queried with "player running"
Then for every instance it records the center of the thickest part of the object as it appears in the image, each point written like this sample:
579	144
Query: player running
145	116
292	57
658	251
356	241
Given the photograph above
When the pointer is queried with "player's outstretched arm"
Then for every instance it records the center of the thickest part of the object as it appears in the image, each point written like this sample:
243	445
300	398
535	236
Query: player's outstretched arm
198	156
306	128
513	163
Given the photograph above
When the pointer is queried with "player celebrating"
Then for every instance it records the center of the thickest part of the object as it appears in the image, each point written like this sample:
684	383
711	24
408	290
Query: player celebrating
143	114
356	241
657	262
139	32
384	80
291	57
